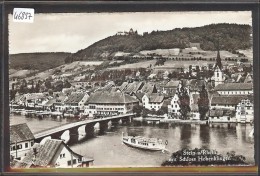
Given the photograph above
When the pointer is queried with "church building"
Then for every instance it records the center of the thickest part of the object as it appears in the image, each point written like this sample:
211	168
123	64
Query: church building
218	73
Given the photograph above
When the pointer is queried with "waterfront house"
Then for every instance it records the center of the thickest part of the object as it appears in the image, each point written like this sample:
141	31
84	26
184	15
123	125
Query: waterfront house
174	107
153	101
53	153
57	102
33	100
226	101
245	111
221	116
235	89
21	140
76	100
109	103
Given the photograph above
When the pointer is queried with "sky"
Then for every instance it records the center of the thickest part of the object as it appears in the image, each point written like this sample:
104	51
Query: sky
68	32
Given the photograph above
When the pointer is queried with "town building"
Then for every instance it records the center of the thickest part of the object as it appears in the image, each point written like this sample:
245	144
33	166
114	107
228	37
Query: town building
153	101
226	101
235	89
132	87
170	88
56	103
174	107
53	153
218	73
76	101
32	100
245	111
21	140
109	103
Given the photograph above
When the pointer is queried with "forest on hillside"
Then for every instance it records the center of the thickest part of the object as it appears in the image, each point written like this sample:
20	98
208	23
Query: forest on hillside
37	61
230	37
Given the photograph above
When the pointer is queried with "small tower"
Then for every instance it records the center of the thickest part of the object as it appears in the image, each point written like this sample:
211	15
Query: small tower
218	74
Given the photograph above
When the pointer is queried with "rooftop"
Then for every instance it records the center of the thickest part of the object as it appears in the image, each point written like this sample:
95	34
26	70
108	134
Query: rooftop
227	100
20	132
155	98
234	86
75	97
104	97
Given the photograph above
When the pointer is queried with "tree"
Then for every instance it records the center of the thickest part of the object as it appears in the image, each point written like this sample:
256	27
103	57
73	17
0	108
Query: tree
184	101
203	103
12	94
137	109
48	84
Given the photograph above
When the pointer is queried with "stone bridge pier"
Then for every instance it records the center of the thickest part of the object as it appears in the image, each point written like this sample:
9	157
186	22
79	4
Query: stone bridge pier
74	135
103	127
126	121
115	122
89	129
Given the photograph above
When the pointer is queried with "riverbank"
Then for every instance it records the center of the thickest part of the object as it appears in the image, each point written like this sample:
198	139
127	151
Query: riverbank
177	121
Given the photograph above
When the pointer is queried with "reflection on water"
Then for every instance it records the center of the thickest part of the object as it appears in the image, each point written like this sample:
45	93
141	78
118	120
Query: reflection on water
108	150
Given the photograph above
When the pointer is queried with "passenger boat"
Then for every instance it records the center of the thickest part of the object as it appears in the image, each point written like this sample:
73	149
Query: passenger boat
144	143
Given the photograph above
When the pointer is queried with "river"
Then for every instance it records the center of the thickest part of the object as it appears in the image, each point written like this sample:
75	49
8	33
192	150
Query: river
108	150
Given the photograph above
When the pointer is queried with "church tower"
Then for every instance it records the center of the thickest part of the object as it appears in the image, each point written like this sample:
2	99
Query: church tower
218	74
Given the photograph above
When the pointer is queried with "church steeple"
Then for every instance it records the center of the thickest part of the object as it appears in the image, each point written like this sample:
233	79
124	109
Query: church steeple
218	60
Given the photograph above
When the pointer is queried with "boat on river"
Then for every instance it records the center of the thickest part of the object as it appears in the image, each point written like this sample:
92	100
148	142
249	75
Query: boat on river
141	142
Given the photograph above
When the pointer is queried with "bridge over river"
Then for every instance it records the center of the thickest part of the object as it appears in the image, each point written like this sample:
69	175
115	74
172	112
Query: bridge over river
56	132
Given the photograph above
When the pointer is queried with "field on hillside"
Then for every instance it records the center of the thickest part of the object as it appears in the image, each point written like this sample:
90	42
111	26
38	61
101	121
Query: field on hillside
248	53
77	64
20	73
142	64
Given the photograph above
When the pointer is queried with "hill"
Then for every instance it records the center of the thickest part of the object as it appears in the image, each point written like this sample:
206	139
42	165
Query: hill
36	61
230	36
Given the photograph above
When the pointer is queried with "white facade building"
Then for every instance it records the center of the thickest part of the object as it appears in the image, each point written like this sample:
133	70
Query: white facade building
245	111
109	103
235	89
53	153
21	140
174	107
153	101
76	101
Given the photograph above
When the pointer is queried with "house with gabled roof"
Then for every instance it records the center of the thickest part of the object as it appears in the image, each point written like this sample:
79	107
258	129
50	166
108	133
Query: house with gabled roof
76	100
21	140
153	101
132	87
226	101
53	153
148	88
109	103
169	88
173	107
33	100
57	102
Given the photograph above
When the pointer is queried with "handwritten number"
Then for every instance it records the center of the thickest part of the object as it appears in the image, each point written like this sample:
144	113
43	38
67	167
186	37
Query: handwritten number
22	16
